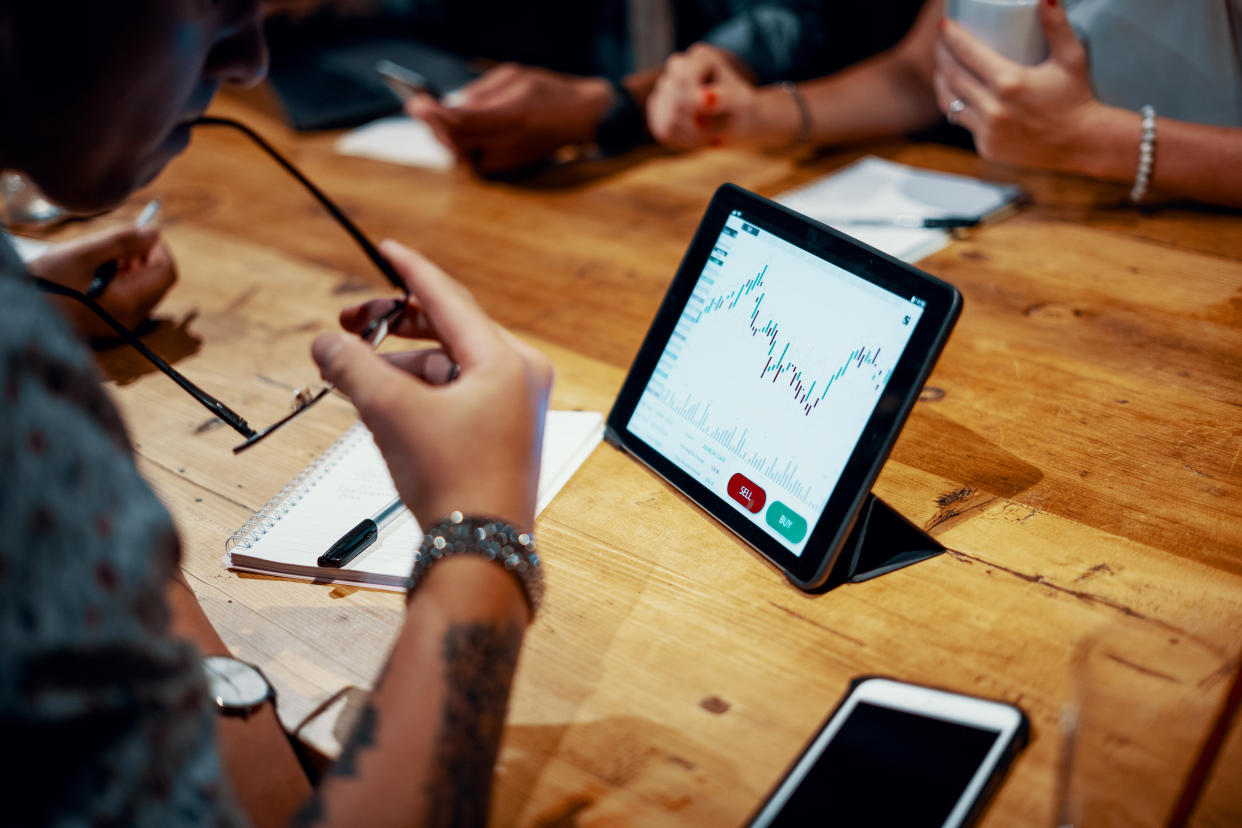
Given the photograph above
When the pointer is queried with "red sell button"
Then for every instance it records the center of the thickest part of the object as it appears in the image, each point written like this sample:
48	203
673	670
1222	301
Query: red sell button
747	493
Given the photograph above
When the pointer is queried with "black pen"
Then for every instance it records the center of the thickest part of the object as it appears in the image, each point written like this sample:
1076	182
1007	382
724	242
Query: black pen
361	536
106	272
912	221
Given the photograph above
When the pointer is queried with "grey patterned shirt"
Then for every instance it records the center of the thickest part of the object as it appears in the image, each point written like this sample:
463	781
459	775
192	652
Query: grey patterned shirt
105	716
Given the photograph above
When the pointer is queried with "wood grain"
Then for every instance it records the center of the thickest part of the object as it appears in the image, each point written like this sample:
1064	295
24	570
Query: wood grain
1080	455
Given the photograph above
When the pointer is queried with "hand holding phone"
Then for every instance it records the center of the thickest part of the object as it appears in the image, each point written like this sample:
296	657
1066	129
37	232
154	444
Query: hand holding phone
900	754
405	83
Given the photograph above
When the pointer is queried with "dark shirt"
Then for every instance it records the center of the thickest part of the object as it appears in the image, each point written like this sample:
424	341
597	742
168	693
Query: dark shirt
105	715
796	39
778	39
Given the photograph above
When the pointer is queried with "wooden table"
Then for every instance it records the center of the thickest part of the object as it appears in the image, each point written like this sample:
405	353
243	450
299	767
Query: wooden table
1079	450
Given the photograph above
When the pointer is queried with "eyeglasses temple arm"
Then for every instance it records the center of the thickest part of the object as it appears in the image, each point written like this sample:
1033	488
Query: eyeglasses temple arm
230	417
367	247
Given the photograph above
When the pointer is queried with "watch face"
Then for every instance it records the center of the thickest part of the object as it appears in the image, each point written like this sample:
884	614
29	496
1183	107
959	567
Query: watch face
235	685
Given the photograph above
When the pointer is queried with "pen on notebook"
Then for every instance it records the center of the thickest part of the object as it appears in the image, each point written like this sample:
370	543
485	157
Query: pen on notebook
106	272
930	222
361	536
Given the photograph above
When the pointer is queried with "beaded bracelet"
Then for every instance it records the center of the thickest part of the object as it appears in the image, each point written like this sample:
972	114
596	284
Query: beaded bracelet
489	538
1147	155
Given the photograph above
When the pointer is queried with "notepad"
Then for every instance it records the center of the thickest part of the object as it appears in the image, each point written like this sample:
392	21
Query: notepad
398	140
877	189
401	139
350	482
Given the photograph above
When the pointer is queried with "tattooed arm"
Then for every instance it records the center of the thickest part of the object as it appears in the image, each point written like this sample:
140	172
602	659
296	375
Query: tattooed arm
423	749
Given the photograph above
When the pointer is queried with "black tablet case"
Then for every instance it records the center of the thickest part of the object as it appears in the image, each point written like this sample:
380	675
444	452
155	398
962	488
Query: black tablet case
882	541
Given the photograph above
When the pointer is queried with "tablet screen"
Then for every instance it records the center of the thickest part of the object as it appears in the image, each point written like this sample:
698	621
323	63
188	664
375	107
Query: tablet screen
770	376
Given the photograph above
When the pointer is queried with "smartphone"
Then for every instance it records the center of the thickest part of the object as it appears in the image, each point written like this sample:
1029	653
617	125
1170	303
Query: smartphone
404	83
894	753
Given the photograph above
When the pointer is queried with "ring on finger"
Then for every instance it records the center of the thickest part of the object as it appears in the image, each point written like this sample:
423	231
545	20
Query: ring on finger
956	107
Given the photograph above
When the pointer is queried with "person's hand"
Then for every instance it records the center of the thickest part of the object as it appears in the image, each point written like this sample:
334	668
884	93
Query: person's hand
470	445
1038	116
146	272
704	96
514	115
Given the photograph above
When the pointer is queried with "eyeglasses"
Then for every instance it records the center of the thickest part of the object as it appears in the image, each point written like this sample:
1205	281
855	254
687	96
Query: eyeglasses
303	398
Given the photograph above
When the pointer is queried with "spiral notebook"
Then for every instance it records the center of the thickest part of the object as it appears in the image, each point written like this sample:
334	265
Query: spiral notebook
350	482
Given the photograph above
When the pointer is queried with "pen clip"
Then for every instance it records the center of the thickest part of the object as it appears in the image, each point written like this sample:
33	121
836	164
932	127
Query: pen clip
350	544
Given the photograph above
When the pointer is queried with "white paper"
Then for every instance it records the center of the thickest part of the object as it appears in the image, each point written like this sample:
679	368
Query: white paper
398	140
353	483
875	188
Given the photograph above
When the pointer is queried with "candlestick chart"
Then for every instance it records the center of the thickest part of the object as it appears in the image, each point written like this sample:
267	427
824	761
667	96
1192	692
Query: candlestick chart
773	368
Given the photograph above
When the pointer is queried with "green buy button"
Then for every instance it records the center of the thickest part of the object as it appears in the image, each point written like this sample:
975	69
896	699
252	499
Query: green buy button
786	521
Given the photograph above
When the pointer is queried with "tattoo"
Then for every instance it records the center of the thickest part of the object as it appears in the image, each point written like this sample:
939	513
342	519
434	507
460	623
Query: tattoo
311	813
346	765
479	660
363	737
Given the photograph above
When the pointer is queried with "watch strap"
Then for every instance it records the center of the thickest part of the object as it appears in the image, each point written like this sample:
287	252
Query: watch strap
623	127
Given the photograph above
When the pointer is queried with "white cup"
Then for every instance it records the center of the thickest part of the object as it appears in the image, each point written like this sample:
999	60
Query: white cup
1011	27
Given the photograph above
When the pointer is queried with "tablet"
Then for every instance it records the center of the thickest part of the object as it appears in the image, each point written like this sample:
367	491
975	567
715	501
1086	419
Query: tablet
777	375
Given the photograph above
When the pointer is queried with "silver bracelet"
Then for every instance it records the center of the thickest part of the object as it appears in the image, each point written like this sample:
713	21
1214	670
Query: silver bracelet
805	123
1147	155
489	538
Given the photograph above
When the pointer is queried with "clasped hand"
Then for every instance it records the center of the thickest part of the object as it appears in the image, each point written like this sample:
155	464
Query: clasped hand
705	96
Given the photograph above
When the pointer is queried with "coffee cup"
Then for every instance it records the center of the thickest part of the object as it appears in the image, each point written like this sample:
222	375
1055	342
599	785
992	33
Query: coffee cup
1011	27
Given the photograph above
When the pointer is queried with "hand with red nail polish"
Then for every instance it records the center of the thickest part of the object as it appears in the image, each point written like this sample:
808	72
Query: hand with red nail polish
702	97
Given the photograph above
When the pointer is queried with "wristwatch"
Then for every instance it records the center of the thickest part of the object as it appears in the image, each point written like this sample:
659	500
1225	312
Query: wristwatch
623	126
238	688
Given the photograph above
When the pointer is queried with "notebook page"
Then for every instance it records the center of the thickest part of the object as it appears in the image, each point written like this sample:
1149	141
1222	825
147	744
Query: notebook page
875	188
568	439
354	483
398	140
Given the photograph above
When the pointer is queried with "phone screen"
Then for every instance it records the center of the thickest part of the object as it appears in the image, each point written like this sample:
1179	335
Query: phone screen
889	767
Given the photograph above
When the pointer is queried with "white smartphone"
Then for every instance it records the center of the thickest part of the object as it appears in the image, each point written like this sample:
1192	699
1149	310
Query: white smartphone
894	753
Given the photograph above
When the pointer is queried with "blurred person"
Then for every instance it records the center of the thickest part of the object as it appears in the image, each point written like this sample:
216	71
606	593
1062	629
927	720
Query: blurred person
103	695
580	73
1078	112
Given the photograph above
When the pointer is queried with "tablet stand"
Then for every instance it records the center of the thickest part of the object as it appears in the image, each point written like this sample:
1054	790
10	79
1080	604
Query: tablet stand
881	542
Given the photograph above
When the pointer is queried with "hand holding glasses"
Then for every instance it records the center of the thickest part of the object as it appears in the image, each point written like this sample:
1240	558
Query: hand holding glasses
374	332
471	445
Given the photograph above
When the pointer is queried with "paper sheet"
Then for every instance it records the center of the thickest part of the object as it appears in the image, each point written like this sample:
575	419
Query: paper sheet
397	140
353	483
875	188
